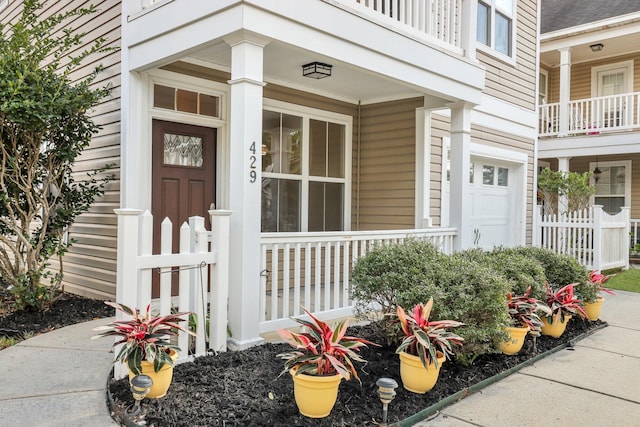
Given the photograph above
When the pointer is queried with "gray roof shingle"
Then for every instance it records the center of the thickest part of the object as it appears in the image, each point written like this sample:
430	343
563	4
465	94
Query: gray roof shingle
561	14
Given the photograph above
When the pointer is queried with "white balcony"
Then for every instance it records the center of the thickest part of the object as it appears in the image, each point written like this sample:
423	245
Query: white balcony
591	116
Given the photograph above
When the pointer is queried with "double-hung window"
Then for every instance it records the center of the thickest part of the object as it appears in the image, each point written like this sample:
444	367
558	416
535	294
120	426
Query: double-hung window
305	164
613	188
495	24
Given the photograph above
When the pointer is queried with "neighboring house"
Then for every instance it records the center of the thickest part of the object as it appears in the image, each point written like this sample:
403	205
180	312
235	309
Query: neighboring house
211	106
589	96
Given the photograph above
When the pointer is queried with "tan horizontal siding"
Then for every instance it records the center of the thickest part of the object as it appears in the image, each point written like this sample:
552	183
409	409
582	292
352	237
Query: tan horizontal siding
387	166
515	83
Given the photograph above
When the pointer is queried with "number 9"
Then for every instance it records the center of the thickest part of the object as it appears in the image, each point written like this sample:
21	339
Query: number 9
253	176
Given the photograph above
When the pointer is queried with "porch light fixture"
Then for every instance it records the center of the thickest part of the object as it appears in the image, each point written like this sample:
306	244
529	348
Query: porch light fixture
386	391
140	387
596	173
597	47
316	70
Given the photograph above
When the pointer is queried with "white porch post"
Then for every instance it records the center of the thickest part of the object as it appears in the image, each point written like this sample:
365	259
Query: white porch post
245	183
563	166
460	157
423	169
468	25
565	91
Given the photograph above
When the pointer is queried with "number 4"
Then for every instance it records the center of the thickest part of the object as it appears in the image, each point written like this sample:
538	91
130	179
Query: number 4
253	147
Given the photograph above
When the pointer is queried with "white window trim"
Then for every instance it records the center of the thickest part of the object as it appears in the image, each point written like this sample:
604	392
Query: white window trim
490	50
627	178
545	73
3	4
628	70
311	113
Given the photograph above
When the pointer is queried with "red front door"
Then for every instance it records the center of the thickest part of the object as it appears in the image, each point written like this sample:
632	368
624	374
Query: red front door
184	171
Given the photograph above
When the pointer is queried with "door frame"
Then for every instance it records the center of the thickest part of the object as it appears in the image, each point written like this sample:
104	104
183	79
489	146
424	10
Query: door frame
141	173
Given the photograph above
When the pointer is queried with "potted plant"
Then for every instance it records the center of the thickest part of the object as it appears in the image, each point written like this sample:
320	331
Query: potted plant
563	304
146	348
425	347
523	311
323	356
590	294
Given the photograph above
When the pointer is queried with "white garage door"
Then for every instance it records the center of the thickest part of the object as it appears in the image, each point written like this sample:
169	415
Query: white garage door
492	204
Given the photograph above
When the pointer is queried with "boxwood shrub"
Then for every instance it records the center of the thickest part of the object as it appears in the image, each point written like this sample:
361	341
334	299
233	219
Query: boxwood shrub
560	270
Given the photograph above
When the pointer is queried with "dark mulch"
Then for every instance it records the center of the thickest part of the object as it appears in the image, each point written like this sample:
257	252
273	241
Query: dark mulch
68	310
243	388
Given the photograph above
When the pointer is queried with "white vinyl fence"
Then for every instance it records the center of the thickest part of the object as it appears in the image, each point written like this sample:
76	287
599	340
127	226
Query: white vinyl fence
202	255
314	270
598	241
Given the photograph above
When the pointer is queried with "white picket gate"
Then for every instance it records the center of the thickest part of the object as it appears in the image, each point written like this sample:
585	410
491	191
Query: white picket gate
202	255
598	241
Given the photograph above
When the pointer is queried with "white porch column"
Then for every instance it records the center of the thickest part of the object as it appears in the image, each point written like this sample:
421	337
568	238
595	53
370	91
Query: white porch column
565	91
468	24
563	166
245	131
460	157
423	169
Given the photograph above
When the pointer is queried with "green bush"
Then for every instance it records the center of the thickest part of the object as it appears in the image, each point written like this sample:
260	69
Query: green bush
390	270
560	270
519	271
462	289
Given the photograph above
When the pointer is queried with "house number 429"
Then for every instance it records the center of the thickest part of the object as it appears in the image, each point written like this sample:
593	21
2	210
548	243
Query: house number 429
253	175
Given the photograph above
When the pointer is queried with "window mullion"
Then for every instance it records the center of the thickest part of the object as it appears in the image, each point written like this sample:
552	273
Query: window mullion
304	187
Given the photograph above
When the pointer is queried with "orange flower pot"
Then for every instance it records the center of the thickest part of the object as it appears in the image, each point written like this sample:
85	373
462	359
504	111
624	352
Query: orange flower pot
556	327
161	379
593	309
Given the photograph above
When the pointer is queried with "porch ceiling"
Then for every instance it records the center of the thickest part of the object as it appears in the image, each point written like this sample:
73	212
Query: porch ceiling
615	43
283	65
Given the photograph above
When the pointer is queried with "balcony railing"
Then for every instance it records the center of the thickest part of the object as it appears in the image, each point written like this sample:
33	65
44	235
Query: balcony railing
591	116
438	19
438	22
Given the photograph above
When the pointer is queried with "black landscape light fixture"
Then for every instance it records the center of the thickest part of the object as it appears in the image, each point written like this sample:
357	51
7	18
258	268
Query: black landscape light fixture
386	391
597	47
140	387
316	70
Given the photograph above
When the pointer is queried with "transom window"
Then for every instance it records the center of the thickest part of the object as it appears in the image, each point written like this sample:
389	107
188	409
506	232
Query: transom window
304	165
495	24
187	101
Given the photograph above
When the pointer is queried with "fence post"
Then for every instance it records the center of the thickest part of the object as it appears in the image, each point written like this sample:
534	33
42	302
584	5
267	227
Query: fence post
219	280
199	282
537	219
146	248
126	270
597	237
626	217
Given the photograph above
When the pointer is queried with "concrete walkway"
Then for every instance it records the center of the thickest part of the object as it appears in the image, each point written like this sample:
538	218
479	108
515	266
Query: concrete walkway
59	379
596	383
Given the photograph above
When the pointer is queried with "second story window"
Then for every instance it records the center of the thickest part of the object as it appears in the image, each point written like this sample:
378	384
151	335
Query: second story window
495	26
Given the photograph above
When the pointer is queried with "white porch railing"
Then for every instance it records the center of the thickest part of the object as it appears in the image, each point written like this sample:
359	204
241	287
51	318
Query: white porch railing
439	19
598	241
314	270
592	116
634	237
202	255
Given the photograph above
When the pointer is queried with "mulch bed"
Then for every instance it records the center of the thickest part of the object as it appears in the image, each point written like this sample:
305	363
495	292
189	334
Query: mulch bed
245	389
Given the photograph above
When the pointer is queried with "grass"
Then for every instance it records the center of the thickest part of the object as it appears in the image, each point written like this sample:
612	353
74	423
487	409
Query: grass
7	342
625	281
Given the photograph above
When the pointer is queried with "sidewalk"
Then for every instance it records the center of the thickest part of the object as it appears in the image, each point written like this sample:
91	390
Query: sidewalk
596	383
59	379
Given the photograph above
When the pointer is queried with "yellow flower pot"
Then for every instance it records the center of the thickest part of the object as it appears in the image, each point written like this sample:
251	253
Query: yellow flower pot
593	309
516	340
161	379
415	377
556	327
315	395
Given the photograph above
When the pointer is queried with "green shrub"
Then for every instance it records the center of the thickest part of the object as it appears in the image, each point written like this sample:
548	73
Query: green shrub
462	288
519	271
390	270
560	270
